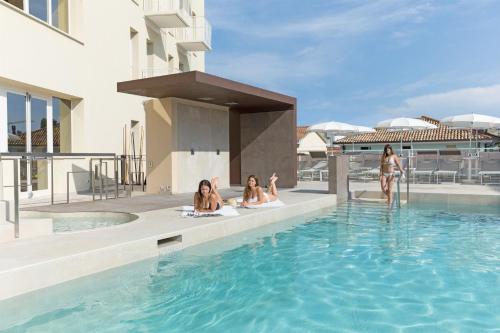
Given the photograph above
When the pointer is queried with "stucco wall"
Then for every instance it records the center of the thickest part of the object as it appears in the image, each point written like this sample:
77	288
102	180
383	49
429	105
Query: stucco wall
175	127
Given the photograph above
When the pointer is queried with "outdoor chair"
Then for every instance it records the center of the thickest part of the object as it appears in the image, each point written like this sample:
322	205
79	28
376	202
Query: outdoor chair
425	167
311	173
490	168
448	167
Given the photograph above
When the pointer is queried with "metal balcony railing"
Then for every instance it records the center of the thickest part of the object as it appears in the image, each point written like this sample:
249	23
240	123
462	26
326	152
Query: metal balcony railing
160	6
168	13
197	37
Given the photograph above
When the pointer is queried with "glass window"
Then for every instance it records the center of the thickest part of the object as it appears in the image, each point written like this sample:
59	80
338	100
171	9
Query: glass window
38	125
18	3
39	9
39	172
16	122
60	14
61	118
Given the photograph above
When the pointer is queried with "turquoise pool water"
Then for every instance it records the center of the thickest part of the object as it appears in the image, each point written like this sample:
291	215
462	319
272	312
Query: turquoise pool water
361	268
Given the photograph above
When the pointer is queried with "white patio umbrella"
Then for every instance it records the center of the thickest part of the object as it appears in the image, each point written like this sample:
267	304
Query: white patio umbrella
471	121
334	128
404	124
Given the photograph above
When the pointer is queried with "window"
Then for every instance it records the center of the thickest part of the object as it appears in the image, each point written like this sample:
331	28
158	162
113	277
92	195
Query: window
59	12
134	53
16	122
366	148
54	12
38	8
18	3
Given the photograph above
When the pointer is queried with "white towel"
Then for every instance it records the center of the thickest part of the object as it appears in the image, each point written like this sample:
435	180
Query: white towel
271	204
224	211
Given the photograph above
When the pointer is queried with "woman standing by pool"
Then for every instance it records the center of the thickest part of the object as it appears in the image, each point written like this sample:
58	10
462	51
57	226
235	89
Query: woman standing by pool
388	163
254	195
207	198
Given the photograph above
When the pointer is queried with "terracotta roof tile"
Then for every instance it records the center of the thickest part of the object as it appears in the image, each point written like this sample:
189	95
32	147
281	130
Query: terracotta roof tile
301	132
38	138
442	133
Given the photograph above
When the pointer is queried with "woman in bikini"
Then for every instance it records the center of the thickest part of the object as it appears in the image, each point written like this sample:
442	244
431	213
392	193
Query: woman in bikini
388	163
255	195
208	199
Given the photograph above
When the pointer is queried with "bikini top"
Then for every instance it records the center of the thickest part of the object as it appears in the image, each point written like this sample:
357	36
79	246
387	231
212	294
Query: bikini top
390	161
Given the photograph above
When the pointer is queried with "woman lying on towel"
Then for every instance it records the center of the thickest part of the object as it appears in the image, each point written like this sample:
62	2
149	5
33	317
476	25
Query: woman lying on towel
254	195
208	199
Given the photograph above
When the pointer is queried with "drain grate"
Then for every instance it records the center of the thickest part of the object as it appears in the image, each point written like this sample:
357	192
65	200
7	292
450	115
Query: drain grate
169	241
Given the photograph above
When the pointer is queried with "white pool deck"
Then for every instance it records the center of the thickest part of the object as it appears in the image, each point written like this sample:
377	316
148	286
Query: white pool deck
30	264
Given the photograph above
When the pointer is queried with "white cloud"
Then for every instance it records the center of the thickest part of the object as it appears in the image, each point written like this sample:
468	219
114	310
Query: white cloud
484	100
360	17
369	17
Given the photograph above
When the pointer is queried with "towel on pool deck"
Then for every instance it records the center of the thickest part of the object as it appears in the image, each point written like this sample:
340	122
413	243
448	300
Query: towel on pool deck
224	211
271	204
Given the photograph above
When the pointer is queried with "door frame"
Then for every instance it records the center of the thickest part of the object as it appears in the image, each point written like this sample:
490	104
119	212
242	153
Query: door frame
4	130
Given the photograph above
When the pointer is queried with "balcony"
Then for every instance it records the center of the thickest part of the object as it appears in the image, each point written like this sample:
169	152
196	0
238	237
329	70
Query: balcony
168	13
196	37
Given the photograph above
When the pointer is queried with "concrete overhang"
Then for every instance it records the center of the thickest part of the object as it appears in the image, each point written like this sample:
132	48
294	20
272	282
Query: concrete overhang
207	88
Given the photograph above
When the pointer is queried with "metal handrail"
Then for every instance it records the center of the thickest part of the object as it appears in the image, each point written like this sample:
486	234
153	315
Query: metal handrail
15	157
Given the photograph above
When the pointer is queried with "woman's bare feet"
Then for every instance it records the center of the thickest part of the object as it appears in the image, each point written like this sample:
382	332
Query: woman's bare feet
215	182
273	178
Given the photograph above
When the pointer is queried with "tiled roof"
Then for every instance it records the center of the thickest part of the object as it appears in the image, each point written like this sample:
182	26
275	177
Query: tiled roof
38	138
442	133
301	132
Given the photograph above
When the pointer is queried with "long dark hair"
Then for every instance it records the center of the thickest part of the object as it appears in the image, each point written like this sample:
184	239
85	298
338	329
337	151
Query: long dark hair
204	182
386	154
248	191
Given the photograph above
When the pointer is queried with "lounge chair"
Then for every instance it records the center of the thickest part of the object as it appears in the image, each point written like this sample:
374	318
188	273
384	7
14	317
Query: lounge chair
490	168
426	165
448	167
309	174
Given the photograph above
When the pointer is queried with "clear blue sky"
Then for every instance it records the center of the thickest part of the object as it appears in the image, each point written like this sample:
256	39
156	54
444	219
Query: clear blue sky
363	61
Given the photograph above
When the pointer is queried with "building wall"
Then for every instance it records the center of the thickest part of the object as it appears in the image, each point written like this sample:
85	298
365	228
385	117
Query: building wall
271	137
311	142
189	140
84	66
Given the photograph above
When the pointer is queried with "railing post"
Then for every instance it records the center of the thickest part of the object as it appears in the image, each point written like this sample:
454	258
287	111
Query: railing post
16	198
399	190
130	180
51	180
100	178
115	161
67	187
408	181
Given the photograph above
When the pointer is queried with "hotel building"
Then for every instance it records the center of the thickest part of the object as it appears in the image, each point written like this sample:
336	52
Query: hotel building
116	76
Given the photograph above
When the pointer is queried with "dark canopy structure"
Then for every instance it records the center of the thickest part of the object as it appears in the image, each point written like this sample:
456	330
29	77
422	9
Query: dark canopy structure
262	133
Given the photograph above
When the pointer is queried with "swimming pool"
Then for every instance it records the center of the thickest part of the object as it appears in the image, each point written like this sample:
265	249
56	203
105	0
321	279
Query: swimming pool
360	268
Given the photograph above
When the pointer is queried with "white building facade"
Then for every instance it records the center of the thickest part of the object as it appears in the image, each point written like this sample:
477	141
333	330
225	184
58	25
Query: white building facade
59	67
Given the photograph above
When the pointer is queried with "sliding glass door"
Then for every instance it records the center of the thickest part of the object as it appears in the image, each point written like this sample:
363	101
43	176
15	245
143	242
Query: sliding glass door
29	123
